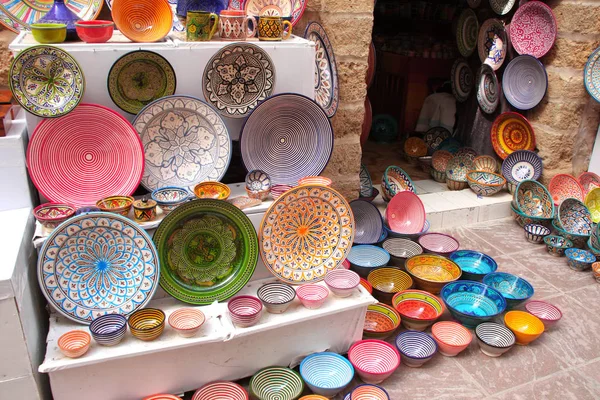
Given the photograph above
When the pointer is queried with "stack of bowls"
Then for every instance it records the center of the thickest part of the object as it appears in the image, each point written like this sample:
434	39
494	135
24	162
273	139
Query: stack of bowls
109	329
418	309
431	272
374	360
515	290
276	296
416	348
472	303
381	321
244	311
474	264
494	339
326	373
388	281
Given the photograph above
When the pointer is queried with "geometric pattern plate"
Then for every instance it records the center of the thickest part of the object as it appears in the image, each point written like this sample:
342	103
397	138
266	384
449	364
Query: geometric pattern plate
492	43
591	75
434	137
502	7
533	29
462	79
327	92
467	31
488	90
510	132
307	232
96	264
17	13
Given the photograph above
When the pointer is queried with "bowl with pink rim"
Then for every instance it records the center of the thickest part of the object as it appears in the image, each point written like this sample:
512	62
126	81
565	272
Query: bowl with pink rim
548	313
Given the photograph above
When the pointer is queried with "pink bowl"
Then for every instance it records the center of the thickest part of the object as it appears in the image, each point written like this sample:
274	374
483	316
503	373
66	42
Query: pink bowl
451	337
563	186
186	321
345	264
245	311
95	31
374	360
342	281
546	312
278	190
312	296
405	213
221	390
314	180
438	243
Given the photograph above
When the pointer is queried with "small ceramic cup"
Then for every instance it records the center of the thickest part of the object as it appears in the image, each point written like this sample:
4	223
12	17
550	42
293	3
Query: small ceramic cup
144	210
234	25
200	26
273	28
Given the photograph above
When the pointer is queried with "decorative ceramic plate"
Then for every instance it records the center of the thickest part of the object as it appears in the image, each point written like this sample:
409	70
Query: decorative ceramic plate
458	167
307	232
86	155
46	81
289	137
533	29
10	22
366	184
502	7
434	137
185	142
138	78
208	251
271	8
327	91
591	75
440	159
467	30
524	82
18	13
563	186
96	264
521	165
372	65
462	80
488	91
589	181
510	132
492	43
237	78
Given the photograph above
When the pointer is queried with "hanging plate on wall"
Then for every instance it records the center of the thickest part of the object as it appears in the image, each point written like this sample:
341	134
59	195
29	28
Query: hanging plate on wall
467	30
488	90
271	8
524	82
462	80
533	29
492	43
502	7
16	14
591	75
510	132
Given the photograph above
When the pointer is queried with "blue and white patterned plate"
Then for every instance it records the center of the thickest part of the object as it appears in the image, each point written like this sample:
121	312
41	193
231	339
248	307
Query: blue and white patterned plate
492	43
96	264
591	75
521	165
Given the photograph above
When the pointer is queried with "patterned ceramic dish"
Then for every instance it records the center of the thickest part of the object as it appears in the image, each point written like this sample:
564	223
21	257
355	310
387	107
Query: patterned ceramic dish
526	327
488	89
400	235
456	185
381	321
579	260
169	198
368	392
494	339
485	183
50	215
258	181
109	329
524	82
535	233
276	296
485	163
342	282
563	186
457	168
523	219
143	20
366	183
212	190
147	323
557	245
521	165
435	136
578	241
418	309
186	321
451	337
276	383
474	265
367	219
589	181
116	204
215	390
534	200
365	258
278	190
440	159
401	249
388	281
514	289
592	202
574	217
533	29
492	43
431	272
472	303
438	243
395	180
374	360
547	313
511	132
502	7
366	285
462	81
245	311
425	163
314	180
467	29
405	213
415	147
74	344
326	373
312	296
416	348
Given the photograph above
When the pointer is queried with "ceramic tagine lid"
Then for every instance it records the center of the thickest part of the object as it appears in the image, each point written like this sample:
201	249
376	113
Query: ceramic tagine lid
144	203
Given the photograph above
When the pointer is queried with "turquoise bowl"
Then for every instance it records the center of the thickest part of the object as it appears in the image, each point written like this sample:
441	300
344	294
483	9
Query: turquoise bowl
515	290
472	303
579	260
534	200
474	265
557	245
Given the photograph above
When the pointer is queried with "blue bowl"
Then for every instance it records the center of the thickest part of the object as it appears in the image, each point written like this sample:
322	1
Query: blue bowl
365	258
578	240
416	348
474	265
326	373
579	260
109	329
514	289
472	303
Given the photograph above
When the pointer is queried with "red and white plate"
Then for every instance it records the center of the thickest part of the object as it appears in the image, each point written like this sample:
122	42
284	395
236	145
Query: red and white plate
533	29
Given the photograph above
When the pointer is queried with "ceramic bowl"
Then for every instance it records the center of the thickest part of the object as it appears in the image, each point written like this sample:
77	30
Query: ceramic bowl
535	233
326	373
405	213
438	176
456	185
260	195
494	339
474	265
95	31
394	181
485	163
451	337
534	200
526	327
365	258
109	329
401	249
162	397
116	204
594	240
431	272
374	194
47	33
276	296
438	243
557	245
416	348
579	260
276	383
485	183
368	392
144	210
314	180
415	147
388	281
170	197
314	397
579	241
514	289
143	21
245	311
221	389
564	186
374	360
415	236
592	202
523	219
425	163
50	215
212	190
258	181
278	190
439	161
596	271
521	165
472	303
147	323
458	166
342	282
74	344
312	296
381	321
546	312
186	321
574	217
365	284
511	186
418	309
368	223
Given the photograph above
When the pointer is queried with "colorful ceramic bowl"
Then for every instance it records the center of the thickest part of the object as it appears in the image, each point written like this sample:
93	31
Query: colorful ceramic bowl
456	185
405	213
276	296
312	296
514	289
186	321
523	219
535	233
579	260
314	397
374	360
546	312
511	186
221	389
431	272
474	265
144	210
212	190
388	281
415	147
401	249
440	159
472	303
574	217
342	282
365	284
522	165
245	311
494	339
170	197
557	245
47	33
438	243
526	327
365	258
438	176
590	247
326	373
95	31
147	323
116	204
418	309
485	183
162	396
579	241
415	236
143	21
394	181
368	223
451	337
416	348
425	163
278	190
485	163
74	344
50	215
314	180
563	186
381	321
458	167
592	202
534	200
595	271
109	329
368	392
588	181
276	383
258	181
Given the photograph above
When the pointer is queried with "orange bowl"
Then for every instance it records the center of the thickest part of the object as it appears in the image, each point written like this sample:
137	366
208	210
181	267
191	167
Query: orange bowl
143	20
74	344
526	327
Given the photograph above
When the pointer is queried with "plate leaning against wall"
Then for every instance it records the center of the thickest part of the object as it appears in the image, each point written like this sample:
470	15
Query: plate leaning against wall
17	13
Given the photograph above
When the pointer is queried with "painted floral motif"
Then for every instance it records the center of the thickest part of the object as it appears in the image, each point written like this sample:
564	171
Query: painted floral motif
271	8
533	29
326	79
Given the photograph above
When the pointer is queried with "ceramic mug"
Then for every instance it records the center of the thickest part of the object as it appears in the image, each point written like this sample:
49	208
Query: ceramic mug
200	26
233	25
272	28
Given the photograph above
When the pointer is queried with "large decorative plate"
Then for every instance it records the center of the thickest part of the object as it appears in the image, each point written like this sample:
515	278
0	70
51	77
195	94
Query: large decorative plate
138	78
591	75
502	7
18	13
467	30
9	21
237	78
462	80
289	137
524	82
366	184
185	142
46	81
307	232
88	154
327	91
492	43
271	8
208	251
510	132
488	90
434	137
98	263
533	29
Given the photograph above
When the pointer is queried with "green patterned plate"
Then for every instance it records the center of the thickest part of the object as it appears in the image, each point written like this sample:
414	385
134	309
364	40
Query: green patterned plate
208	251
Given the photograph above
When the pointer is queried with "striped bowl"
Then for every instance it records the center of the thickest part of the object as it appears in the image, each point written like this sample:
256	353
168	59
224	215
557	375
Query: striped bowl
368	392
388	281
405	213
431	272
276	296
313	397
374	360
109	329
147	324
162	397
451	337
418	309
546	312
485	163
314	180
416	348
364	258
526	327
74	344
186	321
276	383
494	339
381	321
368	222
245	311
143	20
365	283
221	390
312	296
438	243
342	282
278	190
326	373
401	249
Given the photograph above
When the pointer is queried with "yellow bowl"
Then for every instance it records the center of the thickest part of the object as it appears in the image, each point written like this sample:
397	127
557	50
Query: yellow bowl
116	204
212	190
49	33
147	323
431	272
526	327
387	281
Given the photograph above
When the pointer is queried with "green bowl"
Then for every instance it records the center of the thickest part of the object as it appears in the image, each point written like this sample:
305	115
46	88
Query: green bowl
49	33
